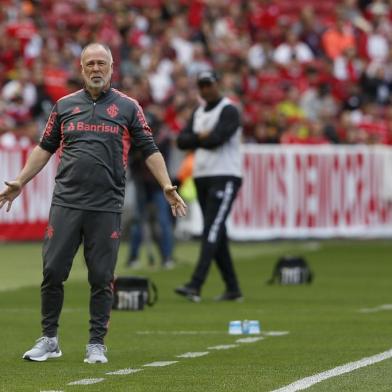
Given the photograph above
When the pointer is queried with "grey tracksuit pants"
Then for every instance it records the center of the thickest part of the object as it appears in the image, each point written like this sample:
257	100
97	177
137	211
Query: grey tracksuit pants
100	233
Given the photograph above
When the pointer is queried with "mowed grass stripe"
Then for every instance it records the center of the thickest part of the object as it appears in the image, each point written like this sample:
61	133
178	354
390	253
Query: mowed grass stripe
326	329
307	382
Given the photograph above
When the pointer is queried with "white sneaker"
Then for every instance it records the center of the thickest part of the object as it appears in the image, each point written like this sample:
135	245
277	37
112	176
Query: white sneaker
133	263
43	349
95	353
168	264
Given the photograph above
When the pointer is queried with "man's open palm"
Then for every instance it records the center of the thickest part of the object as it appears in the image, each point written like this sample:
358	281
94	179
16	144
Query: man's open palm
10	193
178	206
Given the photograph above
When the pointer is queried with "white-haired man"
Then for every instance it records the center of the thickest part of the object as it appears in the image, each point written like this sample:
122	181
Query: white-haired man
93	129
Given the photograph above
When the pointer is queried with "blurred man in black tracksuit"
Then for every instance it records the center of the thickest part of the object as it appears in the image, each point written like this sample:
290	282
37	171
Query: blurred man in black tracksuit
214	132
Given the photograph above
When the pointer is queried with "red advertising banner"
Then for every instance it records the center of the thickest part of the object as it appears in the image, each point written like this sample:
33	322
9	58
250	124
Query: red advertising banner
287	192
317	191
28	216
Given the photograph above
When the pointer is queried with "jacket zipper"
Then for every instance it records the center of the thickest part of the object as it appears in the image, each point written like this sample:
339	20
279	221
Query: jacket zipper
94	105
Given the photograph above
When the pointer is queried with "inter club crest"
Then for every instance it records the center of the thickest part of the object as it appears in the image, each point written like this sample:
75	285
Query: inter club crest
115	235
112	110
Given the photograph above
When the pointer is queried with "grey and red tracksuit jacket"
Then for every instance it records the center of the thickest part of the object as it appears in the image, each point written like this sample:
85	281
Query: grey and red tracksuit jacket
94	138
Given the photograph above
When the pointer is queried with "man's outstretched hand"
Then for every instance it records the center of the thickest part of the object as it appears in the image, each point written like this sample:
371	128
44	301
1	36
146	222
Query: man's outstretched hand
12	191
178	206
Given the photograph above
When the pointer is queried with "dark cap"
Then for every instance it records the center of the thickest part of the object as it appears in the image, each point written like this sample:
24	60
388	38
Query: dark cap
207	77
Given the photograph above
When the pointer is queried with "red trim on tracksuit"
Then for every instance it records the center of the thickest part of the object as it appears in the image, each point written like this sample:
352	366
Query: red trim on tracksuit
126	145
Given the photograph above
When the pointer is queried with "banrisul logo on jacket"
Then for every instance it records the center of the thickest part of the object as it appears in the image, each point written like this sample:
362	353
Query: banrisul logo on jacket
112	110
83	126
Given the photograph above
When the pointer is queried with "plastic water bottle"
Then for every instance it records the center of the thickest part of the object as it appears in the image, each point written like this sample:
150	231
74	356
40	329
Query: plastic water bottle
254	327
235	327
245	327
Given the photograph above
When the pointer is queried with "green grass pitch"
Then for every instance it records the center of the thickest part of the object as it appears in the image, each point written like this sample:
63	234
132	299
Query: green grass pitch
325	324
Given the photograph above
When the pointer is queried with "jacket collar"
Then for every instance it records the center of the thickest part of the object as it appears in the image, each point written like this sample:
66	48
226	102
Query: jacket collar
103	95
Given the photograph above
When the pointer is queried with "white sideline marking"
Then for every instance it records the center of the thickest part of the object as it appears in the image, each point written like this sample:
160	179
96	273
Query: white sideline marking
86	381
275	333
223	347
265	333
307	246
31	310
120	372
13	288
249	340
193	355
311	245
16	310
72	310
160	363
307	382
179	332
376	309
123	372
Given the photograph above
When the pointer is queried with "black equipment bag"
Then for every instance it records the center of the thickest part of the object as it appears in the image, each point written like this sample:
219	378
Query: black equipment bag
133	293
290	270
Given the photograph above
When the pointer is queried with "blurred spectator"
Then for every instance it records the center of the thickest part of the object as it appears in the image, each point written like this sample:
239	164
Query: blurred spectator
152	219
260	52
310	30
348	66
267	132
318	103
292	48
200	62
338	38
55	77
377	44
354	99
292	134
159	76
376	85
22	89
350	11
317	133
290	106
260	48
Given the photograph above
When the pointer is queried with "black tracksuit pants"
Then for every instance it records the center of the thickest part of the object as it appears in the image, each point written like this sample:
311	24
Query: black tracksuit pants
216	195
100	233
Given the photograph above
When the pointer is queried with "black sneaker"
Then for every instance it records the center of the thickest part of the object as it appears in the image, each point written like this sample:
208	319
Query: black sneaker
189	292
230	296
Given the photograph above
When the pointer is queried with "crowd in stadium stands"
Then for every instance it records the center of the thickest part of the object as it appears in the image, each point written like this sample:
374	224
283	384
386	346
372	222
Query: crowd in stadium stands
302	71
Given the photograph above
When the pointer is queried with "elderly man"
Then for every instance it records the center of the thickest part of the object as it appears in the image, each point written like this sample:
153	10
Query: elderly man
93	129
